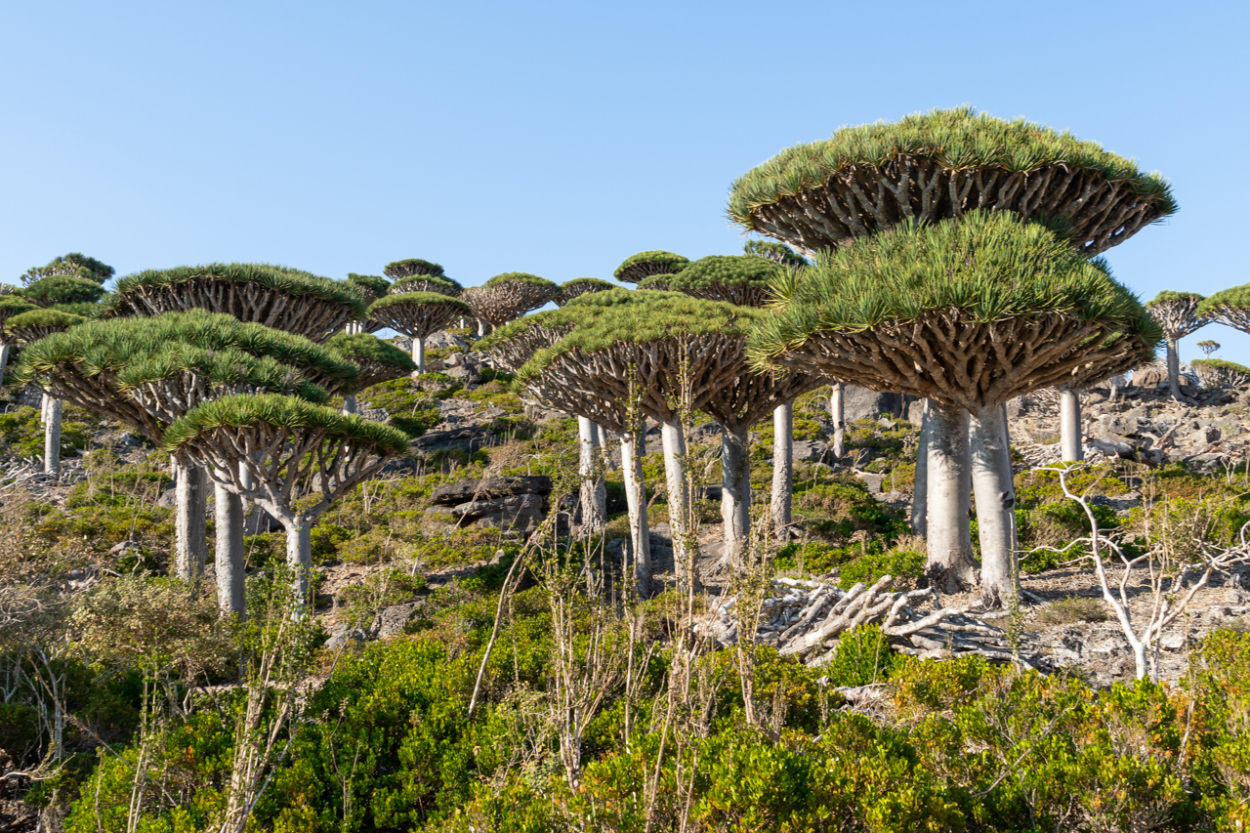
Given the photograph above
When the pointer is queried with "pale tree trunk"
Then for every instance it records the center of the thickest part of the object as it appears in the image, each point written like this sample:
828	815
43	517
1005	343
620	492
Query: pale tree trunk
44	403
602	440
299	558
1070	426
837	411
991	478
592	494
418	354
735	492
481	327
349	404
4	359
190	522
783	468
949	491
52	438
636	500
674	440
920	491
229	553
1174	368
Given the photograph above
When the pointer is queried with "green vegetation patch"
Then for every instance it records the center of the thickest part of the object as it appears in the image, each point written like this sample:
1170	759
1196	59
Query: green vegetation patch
279	278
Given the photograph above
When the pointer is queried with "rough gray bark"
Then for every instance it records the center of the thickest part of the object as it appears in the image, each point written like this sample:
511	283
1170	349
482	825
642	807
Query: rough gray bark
949	488
4	359
674	441
920	491
636	501
52	437
228	552
349	404
418	354
299	557
1070	426
783	467
592	494
604	441
1174	367
991	479
735	501
837	411
190	522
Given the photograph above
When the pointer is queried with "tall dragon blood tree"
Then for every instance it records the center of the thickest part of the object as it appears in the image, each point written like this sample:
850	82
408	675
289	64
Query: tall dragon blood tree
1230	307
1177	314
639	267
938	166
148	372
284	443
508	296
28	328
277	297
966	313
417	315
378	361
747	282
371	288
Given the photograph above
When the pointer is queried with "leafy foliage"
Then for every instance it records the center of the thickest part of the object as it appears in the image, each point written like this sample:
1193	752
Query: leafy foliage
412	266
36	323
777	252
279	278
62	289
718	275
644	264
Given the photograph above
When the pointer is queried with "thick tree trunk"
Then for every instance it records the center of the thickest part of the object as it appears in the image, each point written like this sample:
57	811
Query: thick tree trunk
418	353
636	501
52	438
349	404
920	491
674	439
592	495
190	522
837	411
1174	368
991	479
605	443
1070	426
949	491
229	553
735	500
783	468
4	359
299	558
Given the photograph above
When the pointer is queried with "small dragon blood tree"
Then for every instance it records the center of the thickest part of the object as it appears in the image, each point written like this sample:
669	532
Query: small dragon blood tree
148	372
371	288
441	284
508	296
1177	315
74	263
967	314
661	353
412	267
10	306
284	444
379	361
28	328
581	286
748	281
417	315
1215	373
275	296
1230	307
644	265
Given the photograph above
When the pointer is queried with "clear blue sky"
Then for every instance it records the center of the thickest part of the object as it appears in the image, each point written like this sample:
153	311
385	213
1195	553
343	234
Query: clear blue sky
559	138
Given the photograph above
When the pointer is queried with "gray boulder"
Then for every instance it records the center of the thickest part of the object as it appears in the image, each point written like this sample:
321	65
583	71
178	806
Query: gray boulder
471	489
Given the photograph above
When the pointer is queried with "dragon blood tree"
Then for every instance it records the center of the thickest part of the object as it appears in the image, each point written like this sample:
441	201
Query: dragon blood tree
378	361
1208	347
274	296
661	353
28	328
637	268
417	315
966	314
581	286
1216	373
1230	307
778	253
74	263
284	443
508	296
371	288
1177	315
412	267
10	306
148	372
441	284
747	281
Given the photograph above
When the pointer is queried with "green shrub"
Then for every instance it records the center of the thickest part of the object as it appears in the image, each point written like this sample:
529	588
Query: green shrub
863	655
872	566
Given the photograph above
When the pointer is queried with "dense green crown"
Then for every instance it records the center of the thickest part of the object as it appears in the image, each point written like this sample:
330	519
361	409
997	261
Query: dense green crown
738	279
11	305
281	412
1233	298
989	267
279	278
83	308
603	320
62	289
1220	364
372	283
522	277
39	323
645	264
1167	296
74	263
590	284
427	283
519	326
959	139
362	349
412	266
776	252
424	298
218	368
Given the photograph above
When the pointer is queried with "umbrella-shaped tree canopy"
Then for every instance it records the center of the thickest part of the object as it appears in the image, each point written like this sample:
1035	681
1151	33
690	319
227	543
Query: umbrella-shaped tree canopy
744	280
441	284
417	314
968	313
31	326
1177	313
13	305
1230	307
274	296
581	286
379	361
645	264
74	263
62	289
401	269
515	343
371	286
508	296
776	252
938	165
